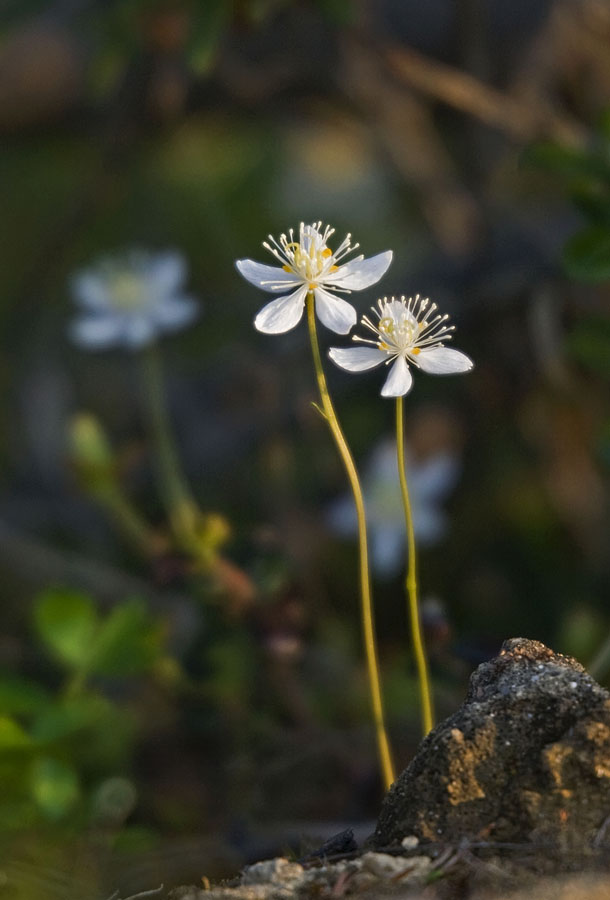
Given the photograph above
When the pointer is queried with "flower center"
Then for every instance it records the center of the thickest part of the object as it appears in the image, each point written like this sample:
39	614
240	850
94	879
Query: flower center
400	332
307	260
126	291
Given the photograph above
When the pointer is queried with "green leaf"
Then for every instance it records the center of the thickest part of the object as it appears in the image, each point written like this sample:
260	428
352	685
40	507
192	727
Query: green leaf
12	735
593	205
66	621
54	786
586	256
66	718
127	642
568	162
21	697
589	343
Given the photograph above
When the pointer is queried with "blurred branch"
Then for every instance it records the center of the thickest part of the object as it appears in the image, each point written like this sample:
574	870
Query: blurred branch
521	121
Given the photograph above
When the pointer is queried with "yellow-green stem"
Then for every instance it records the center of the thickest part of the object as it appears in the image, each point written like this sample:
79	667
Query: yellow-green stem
385	756
427	715
179	503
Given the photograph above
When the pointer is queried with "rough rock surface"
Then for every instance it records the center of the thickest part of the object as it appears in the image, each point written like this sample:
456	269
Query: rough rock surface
525	759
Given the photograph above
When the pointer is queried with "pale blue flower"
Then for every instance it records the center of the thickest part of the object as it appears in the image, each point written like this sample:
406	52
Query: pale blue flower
129	300
431	480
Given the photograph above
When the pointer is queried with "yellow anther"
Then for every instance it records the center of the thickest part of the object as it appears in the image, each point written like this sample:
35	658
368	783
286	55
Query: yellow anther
327	252
286	268
334	269
383	346
312	287
415	351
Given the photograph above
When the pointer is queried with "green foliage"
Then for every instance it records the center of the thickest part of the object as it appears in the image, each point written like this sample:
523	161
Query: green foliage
584	174
63	754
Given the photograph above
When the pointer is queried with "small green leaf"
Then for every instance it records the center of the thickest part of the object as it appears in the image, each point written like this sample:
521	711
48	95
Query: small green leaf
66	621
568	162
12	735
126	643
587	255
54	786
21	697
66	718
589	343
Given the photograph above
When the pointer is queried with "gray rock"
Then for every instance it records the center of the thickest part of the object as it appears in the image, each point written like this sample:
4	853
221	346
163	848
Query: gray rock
526	758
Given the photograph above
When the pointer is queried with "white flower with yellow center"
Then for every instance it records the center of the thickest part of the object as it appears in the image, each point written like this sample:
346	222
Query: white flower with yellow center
308	264
407	332
129	300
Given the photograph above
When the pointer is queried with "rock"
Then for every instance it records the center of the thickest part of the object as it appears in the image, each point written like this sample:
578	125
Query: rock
525	759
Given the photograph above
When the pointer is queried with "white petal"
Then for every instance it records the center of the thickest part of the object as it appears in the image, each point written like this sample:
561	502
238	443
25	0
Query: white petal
96	332
282	314
138	331
360	273
338	315
175	312
89	290
357	359
443	361
269	278
167	271
399	380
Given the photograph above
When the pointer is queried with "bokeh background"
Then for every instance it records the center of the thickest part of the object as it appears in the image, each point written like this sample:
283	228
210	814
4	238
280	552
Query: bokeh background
168	713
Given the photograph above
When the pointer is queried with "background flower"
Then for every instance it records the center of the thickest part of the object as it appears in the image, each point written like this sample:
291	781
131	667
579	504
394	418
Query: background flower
130	300
431	480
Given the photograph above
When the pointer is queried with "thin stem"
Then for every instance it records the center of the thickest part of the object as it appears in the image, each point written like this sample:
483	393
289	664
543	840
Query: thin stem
179	503
368	625
427	715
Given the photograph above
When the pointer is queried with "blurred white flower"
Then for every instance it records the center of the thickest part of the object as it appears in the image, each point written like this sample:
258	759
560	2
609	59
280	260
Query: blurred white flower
430	482
129	300
407	331
308	264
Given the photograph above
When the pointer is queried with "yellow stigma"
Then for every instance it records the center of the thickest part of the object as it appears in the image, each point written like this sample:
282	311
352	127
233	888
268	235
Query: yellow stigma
386	324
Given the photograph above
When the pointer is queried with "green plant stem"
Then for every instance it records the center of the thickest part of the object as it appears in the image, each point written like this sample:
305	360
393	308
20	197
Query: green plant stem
427	714
177	499
385	756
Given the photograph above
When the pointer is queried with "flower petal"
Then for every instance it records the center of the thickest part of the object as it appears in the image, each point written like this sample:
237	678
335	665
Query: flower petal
399	380
357	359
443	361
89	290
360	273
138	331
175	312
337	314
269	278
282	314
96	332
167	271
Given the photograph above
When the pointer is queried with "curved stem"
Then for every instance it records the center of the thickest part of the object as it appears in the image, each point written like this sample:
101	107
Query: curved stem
427	715
179	503
368	625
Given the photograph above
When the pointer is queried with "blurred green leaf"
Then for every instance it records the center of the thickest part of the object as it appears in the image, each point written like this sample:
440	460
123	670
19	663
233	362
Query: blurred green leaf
587	255
568	162
210	21
593	205
126	643
54	786
589	343
12	735
70	716
18	696
66	621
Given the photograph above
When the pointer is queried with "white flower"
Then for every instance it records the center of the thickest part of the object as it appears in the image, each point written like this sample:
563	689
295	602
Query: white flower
430	479
407	331
308	264
129	300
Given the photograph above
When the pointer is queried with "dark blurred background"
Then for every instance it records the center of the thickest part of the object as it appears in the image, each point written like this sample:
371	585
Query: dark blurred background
224	713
